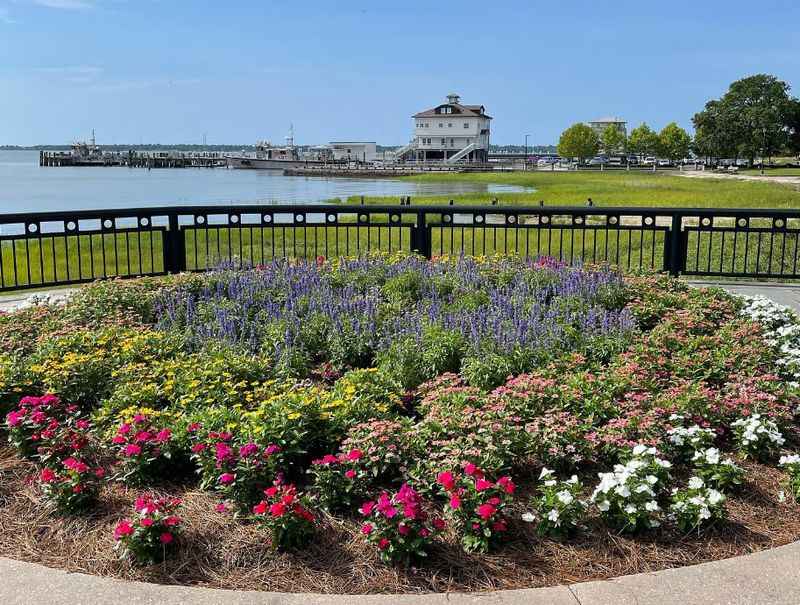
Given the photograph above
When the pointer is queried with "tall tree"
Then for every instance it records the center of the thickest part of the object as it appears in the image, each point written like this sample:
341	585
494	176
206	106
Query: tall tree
794	126
751	118
643	140
578	141
614	140
673	142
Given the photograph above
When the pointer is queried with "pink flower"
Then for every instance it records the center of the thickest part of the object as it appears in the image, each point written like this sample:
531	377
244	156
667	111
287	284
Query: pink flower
507	484
446	480
166	538
118	440
403	529
124	528
139	418
278	509
438	524
354	455
146	522
366	508
383	543
455	502
258	509
424	532
198	447
163	435
172	521
482	485
350	474
100	473
221	508
470	469
223	451
227	478
367	529
132	450
272	449
14	418
485	511
499	526
47	475
124	429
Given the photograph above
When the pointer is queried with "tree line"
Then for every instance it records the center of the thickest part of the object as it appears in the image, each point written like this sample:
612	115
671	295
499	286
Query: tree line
756	117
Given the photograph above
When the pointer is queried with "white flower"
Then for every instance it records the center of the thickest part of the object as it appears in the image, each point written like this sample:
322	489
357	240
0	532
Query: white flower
781	496
651	479
715	497
553	515
546	472
573	479
787	460
604	506
651	506
622	490
695	483
550	483
565	497
639	450
630	509
528	517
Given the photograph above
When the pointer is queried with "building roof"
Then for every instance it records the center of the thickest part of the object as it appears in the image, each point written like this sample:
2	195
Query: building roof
352	143
459	111
608	120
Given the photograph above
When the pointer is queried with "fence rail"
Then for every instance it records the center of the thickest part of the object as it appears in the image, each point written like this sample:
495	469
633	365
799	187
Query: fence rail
54	248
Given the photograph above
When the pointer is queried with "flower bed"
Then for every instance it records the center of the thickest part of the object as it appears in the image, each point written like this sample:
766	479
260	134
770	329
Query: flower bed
394	424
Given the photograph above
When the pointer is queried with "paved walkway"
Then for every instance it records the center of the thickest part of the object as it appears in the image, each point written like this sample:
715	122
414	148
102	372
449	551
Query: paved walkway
784	294
765	578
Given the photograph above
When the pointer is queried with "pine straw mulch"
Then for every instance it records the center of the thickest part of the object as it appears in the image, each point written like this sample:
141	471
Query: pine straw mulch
218	551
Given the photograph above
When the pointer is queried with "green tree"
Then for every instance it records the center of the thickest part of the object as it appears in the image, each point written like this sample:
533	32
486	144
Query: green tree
643	140
614	140
578	141
673	142
753	117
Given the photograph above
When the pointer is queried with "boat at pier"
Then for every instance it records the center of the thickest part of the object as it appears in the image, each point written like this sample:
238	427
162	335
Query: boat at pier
269	157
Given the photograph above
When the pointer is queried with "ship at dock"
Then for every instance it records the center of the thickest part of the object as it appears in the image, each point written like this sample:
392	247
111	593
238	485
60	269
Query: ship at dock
286	157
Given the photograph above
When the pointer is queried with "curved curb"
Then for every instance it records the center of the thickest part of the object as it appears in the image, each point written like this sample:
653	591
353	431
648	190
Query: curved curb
765	578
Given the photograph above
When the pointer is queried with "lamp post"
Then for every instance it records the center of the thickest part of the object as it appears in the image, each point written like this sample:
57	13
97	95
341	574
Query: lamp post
526	152
763	147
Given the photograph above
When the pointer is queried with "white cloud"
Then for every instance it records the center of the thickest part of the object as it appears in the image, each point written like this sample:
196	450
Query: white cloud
65	4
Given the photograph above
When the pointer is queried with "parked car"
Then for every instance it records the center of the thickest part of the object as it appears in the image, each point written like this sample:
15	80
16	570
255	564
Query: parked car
662	163
649	161
598	160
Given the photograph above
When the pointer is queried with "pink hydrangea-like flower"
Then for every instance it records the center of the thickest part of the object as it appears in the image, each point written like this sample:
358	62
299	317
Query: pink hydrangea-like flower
227	478
350	474
123	528
446	480
486	511
355	455
132	450
367	529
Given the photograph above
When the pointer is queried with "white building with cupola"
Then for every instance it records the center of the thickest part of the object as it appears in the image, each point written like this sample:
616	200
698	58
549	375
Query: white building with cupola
450	133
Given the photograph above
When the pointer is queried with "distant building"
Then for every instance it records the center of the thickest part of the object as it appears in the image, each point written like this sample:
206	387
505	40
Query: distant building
449	132
363	151
599	126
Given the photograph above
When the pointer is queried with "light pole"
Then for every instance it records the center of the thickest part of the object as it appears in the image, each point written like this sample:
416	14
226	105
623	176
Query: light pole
526	152
763	147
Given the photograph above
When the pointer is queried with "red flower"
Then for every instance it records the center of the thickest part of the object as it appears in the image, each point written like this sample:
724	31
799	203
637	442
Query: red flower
507	484
383	543
446	480
166	538
486	511
132	450
367	529
355	455
47	475
482	485
438	524
367	507
258	509
455	502
146	522
227	478
124	528
350	474
278	509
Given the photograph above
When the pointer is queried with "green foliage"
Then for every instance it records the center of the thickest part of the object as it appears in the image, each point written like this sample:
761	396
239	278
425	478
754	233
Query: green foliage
673	142
614	140
643	141
578	141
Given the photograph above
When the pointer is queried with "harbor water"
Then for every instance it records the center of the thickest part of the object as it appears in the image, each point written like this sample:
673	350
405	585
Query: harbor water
27	187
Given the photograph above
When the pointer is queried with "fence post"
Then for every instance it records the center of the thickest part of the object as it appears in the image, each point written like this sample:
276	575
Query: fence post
677	247
420	236
174	247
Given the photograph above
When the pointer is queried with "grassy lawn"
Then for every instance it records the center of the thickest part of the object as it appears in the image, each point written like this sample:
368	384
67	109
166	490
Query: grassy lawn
58	259
616	189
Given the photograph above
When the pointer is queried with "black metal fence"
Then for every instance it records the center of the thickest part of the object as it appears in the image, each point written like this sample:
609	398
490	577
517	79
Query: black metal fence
45	249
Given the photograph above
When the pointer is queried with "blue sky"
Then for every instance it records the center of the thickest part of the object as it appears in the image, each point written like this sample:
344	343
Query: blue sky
171	70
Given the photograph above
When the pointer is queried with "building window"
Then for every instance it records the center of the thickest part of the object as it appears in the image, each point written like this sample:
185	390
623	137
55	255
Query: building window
449	124
441	125
452	142
466	124
444	142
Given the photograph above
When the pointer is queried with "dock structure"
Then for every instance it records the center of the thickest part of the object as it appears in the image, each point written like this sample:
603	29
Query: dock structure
135	159
385	171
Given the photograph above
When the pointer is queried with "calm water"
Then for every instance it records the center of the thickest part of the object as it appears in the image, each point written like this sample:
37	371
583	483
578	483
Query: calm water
25	187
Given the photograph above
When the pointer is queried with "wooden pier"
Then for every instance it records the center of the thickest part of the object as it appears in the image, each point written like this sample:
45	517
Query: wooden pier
392	171
135	159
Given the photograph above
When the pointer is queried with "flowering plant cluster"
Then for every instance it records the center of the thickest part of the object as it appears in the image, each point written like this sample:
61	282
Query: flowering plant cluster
339	481
477	506
628	496
559	508
238	472
757	437
142	450
148	537
697	505
791	464
286	515
781	327
36	419
71	485
685	441
720	473
398	525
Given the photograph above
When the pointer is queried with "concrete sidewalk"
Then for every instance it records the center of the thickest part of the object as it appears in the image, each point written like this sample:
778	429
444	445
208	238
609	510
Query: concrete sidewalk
784	294
765	578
